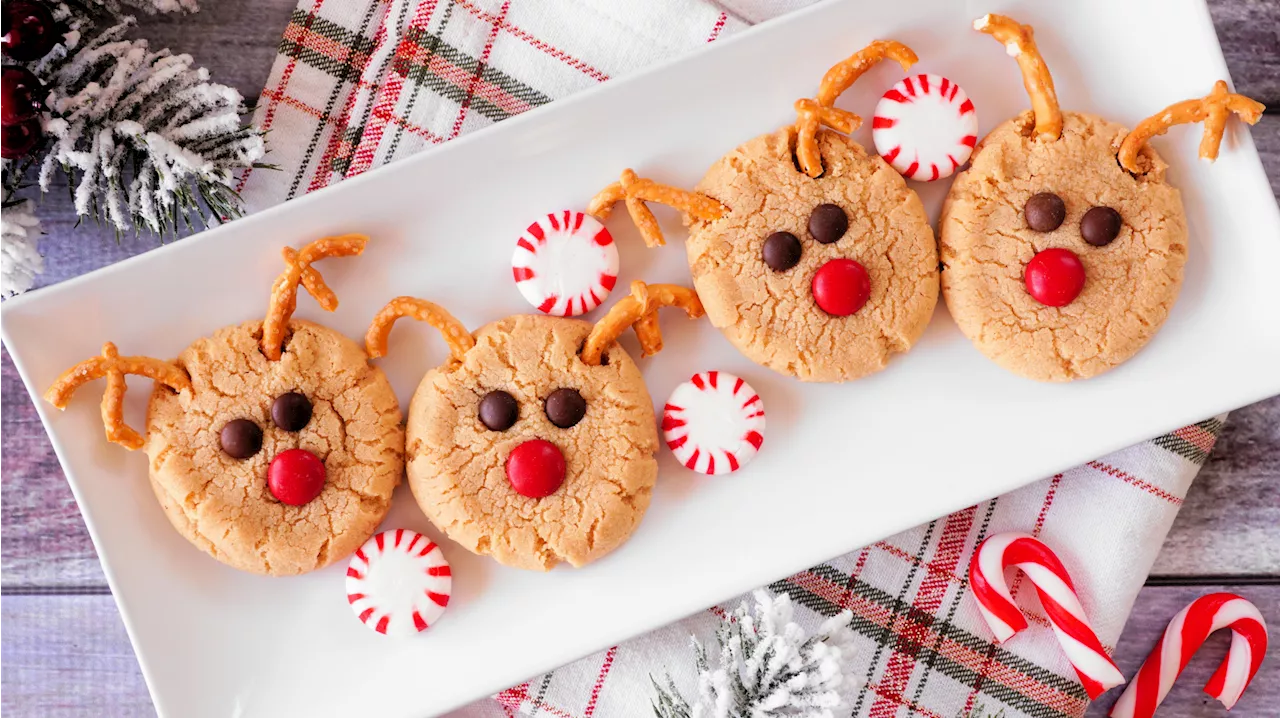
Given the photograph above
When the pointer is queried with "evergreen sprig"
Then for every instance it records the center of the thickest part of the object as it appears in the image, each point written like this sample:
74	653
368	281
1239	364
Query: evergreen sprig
143	135
766	667
146	141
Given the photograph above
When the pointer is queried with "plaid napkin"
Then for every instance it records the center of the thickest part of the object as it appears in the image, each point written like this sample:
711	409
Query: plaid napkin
359	83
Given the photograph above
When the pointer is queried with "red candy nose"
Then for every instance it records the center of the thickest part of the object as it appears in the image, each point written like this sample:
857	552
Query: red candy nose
841	287
295	477
536	468
1054	277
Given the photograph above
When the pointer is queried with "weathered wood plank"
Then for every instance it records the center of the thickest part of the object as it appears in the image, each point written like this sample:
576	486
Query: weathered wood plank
1249	32
44	541
1230	522
1154	607
68	656
235	39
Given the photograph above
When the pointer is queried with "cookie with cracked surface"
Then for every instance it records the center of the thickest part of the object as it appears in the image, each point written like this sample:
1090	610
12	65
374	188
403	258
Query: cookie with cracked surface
461	448
347	417
772	306
1063	244
989	234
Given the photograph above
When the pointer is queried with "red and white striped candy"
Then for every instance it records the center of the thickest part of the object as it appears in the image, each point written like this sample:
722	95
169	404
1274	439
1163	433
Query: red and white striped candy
925	127
565	264
714	423
1097	671
398	582
1180	641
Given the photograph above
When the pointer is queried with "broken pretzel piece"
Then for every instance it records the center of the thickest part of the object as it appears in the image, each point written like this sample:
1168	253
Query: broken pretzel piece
636	190
810	114
455	334
298	270
843	74
1019	41
641	311
1213	110
114	367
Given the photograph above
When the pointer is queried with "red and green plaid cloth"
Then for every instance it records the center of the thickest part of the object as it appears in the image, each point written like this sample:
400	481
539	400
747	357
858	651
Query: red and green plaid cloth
359	83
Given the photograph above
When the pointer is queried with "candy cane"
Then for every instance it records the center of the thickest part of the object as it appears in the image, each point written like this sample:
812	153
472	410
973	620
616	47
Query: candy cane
1184	635
1058	596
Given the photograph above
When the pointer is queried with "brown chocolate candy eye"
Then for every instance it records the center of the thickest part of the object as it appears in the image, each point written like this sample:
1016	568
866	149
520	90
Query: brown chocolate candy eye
1100	226
499	411
565	407
291	411
828	223
1045	212
781	251
240	438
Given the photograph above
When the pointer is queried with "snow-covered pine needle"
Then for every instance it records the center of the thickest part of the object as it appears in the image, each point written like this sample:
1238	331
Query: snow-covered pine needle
20	260
142	133
145	140
766	668
150	7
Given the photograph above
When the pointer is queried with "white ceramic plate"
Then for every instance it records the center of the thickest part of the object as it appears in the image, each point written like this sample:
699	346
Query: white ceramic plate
842	466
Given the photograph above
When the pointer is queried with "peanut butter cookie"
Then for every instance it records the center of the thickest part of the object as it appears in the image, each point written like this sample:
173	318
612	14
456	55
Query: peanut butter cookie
607	441
321	397
812	256
760	270
988	245
1063	244
535	442
274	446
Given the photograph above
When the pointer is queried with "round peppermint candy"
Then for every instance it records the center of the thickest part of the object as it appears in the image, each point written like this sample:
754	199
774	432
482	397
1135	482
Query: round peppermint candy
714	423
398	583
925	126
565	264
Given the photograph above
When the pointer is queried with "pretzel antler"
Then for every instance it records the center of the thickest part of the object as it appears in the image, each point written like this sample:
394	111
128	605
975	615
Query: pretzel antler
298	270
636	190
456	336
114	367
821	111
641	311
1019	41
1212	109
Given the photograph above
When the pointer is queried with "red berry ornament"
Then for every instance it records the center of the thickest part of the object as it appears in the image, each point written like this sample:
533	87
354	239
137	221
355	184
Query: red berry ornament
1054	277
536	468
295	477
17	140
841	287
20	95
29	30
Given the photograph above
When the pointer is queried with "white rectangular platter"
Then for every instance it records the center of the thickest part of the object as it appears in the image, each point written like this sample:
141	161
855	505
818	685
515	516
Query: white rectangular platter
842	466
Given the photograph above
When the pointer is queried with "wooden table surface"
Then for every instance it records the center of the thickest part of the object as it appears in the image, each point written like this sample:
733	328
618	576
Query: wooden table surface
65	652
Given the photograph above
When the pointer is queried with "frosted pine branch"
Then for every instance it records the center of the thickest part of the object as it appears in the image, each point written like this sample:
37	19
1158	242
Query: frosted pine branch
766	668
144	137
151	7
21	261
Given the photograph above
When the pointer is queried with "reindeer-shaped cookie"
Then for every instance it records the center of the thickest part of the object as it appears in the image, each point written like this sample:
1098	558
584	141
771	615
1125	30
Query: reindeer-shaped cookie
534	443
812	256
1063	244
274	445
